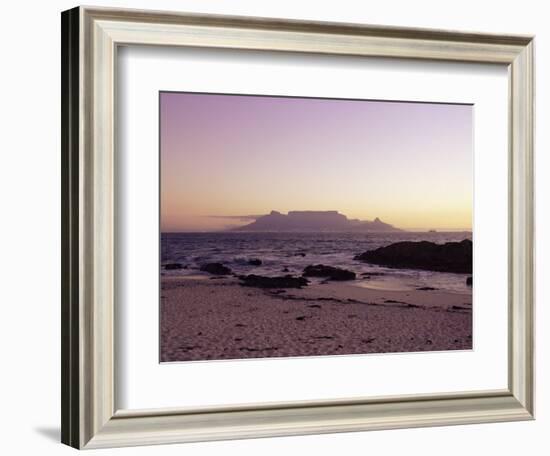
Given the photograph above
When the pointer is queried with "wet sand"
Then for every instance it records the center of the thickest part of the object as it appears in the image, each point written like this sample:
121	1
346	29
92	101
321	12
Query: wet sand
207	318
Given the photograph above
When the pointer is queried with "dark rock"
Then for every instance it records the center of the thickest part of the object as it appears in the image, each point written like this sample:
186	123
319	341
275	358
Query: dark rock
172	266
459	308
215	268
278	292
448	257
189	347
286	281
469	281
426	288
255	262
370	275
285	270
320	270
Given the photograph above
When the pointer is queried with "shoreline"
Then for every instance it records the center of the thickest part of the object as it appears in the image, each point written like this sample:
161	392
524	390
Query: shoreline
213	318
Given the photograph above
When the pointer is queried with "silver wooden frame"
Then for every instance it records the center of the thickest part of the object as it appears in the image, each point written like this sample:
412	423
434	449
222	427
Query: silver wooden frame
90	38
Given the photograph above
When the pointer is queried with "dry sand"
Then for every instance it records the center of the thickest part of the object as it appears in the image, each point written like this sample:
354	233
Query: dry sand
216	318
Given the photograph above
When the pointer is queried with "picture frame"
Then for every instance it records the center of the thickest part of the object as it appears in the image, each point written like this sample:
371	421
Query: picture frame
90	39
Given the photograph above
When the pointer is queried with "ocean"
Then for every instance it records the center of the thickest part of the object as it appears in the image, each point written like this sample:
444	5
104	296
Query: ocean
295	251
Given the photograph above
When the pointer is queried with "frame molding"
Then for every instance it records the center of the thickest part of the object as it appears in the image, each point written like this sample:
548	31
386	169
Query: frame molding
90	38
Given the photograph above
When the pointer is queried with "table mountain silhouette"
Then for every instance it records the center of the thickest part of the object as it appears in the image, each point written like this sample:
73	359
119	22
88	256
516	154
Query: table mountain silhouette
314	221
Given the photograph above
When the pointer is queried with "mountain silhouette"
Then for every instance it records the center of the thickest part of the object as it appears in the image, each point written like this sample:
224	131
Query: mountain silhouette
314	221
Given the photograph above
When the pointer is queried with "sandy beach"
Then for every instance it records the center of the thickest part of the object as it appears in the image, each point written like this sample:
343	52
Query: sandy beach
205	318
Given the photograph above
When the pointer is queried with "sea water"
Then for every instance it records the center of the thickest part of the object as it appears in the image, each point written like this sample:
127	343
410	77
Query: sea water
280	252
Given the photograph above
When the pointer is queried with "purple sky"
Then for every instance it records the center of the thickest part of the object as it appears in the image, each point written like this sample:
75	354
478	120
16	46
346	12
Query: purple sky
408	163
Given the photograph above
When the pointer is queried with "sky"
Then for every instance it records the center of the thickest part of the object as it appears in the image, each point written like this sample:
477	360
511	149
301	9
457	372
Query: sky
227	156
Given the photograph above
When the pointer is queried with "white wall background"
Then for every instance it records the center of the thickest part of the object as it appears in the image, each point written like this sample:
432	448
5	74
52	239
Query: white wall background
29	238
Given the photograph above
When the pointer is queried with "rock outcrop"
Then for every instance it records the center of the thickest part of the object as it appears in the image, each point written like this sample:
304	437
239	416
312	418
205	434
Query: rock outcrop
286	281
448	257
215	268
330	272
173	266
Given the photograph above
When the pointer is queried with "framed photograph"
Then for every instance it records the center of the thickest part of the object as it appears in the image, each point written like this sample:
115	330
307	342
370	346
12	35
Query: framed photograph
276	227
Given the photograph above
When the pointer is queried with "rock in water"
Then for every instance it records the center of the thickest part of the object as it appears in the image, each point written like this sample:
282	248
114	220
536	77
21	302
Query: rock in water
215	268
255	262
448	257
286	281
320	270
469	281
172	266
